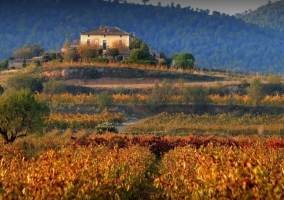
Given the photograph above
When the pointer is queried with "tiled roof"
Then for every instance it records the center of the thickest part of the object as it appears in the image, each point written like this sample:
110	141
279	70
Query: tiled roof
106	30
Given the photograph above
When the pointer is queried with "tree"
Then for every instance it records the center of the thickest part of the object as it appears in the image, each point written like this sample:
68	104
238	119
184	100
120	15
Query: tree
135	44
113	52
28	51
161	94
25	52
100	52
198	96
136	54
37	50
163	55
52	87
26	82
140	54
21	114
273	79
159	4
1	90
70	55
67	43
4	64
145	50
87	52
145	1
120	45
255	91
105	100
184	61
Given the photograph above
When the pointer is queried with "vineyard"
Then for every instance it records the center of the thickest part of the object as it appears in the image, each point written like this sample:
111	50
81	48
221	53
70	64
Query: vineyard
221	124
66	98
82	154
82	121
116	166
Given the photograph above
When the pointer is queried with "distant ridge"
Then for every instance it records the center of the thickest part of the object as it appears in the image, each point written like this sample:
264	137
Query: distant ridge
270	15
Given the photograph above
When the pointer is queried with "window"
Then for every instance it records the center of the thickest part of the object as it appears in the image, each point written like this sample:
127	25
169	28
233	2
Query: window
96	41
88	42
104	44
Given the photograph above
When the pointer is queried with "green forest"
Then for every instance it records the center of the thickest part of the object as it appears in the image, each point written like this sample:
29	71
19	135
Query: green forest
270	15
217	40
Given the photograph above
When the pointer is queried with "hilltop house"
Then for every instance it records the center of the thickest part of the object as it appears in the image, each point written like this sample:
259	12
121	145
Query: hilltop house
106	37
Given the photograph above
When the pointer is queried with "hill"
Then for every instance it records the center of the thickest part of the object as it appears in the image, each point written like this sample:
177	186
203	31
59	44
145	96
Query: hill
217	41
270	15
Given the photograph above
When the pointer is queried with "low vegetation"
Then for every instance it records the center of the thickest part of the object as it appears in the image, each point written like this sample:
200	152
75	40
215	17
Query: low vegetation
144	167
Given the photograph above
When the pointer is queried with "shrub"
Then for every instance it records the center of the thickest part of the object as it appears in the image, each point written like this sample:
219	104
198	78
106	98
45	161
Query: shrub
100	60
106	127
255	91
29	82
140	62
105	100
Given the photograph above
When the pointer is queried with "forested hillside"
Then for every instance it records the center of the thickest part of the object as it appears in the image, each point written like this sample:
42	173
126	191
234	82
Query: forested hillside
217	41
270	15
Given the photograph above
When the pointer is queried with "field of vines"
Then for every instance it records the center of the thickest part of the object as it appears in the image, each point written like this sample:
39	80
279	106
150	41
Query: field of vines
83	121
117	166
221	124
276	100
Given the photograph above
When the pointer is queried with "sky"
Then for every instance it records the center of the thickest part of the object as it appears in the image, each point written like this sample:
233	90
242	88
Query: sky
230	7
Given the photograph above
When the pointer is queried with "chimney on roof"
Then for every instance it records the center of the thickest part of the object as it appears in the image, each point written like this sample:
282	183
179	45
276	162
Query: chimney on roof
105	30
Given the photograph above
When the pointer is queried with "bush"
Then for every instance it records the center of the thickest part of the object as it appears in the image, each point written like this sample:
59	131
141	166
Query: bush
70	55
198	96
93	73
53	87
184	61
26	82
53	56
1	90
4	64
105	100
140	62
163	63
255	91
106	127
100	60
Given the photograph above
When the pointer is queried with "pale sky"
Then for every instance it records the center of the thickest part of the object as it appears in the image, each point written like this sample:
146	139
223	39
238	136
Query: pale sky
224	6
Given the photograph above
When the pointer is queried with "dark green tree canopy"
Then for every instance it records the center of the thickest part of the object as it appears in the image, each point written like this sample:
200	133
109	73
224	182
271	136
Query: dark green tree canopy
113	52
184	60
255	91
21	114
135	43
28	51
26	82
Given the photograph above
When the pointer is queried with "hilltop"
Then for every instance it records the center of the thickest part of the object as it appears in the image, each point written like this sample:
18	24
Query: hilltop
217	41
270	15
